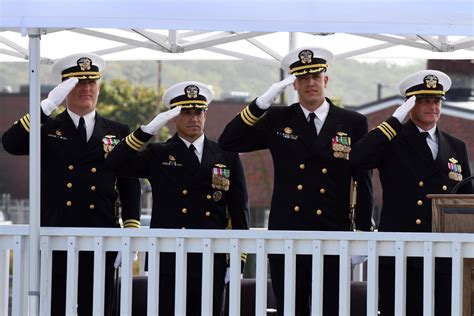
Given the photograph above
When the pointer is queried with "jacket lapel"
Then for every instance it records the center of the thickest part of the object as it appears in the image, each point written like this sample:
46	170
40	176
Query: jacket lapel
444	149
209	157
69	130
182	153
421	160
330	127
300	126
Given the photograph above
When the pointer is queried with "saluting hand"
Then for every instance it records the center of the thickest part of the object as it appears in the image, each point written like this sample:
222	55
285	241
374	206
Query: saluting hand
265	100
402	111
57	95
160	120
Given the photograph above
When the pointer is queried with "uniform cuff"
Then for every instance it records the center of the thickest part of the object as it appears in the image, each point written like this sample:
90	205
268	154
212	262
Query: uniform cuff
137	139
251	113
131	223
390	127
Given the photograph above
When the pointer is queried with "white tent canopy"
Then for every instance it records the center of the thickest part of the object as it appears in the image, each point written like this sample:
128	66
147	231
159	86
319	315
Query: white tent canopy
422	24
437	17
250	30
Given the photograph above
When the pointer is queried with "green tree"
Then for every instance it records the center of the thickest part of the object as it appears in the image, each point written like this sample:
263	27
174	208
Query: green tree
130	104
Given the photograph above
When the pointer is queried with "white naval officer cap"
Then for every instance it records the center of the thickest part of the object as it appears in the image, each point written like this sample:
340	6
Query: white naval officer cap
82	66
307	60
188	94
425	84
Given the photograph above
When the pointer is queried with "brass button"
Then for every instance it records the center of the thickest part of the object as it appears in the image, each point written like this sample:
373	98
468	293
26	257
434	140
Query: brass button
419	202
93	188
444	188
70	167
92	206
324	170
421	184
322	190
319	212
300	187
68	203
296	208
93	170
69	185
208	213
208	197
184	210
185	192
418	221
302	166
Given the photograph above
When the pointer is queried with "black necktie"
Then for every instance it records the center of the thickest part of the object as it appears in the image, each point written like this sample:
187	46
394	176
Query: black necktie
425	136
194	158
312	125
81	130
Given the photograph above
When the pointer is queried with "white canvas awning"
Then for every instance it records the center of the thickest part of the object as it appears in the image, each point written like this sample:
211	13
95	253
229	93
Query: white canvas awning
210	27
250	30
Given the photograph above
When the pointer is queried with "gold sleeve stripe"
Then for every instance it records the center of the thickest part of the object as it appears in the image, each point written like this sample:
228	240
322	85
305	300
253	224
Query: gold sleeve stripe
243	257
25	123
387	130
131	223
248	117
250	114
382	128
244	118
134	142
130	143
391	130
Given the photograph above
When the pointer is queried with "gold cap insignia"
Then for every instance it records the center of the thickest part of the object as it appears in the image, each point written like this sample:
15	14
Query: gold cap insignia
431	81
84	63
306	56
192	91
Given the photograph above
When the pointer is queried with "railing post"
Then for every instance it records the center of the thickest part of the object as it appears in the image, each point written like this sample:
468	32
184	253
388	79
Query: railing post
180	290
234	295
99	281
290	277
372	278
153	276
71	276
20	275
344	279
317	279
428	279
400	278
207	277
4	280
126	279
46	275
261	278
457	281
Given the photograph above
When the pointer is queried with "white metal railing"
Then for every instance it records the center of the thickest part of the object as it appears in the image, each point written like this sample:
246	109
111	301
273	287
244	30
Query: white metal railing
14	240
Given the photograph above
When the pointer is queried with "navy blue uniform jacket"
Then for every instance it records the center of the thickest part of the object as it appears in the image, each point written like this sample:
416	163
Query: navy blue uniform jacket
312	182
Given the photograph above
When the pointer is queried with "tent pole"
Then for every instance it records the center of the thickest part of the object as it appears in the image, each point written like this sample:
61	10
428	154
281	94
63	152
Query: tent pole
293	44
35	174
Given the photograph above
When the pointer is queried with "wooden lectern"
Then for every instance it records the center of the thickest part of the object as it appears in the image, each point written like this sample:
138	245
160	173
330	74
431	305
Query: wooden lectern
454	213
